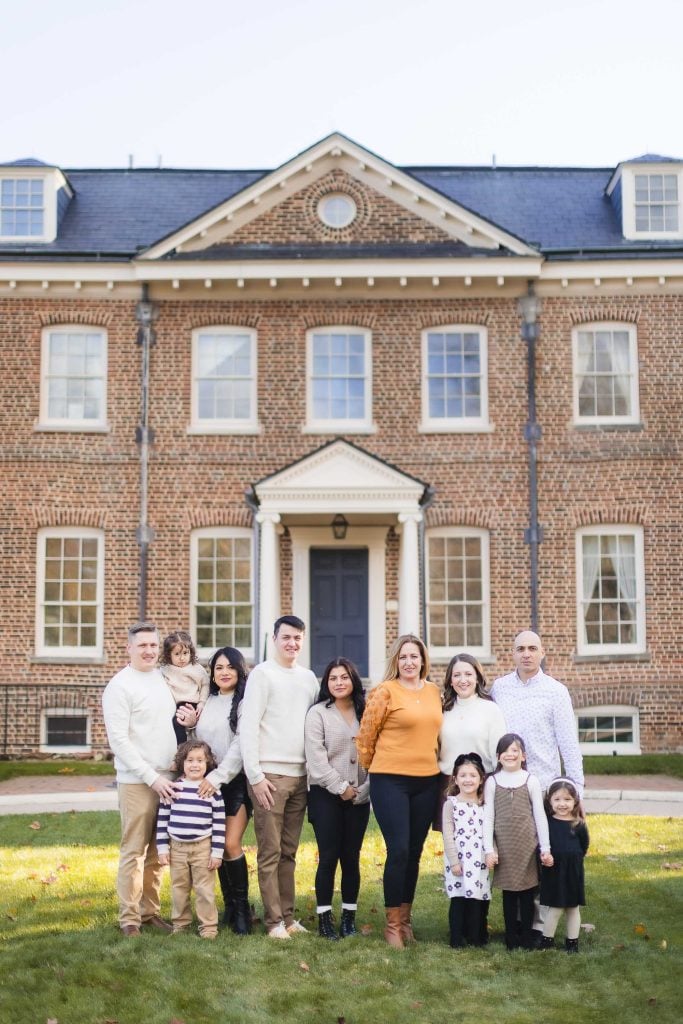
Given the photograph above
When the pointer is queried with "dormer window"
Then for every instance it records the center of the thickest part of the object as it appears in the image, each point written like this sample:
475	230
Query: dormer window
22	208
646	193
33	199
656	202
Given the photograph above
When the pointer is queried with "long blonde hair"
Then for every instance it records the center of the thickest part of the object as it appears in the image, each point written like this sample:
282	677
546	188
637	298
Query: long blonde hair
391	671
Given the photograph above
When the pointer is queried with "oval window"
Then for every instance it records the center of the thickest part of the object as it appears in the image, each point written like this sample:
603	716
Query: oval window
337	210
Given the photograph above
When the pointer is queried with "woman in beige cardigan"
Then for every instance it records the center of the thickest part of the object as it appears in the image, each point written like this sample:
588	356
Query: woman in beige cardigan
338	795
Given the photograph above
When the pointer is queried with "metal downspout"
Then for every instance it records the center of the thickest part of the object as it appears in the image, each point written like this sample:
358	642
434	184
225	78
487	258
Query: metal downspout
145	314
529	307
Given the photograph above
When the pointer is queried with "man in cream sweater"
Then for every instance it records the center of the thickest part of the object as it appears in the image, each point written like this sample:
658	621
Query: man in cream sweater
279	693
138	714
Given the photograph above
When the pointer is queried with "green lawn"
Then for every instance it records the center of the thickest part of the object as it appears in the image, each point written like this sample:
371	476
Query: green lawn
17	769
62	959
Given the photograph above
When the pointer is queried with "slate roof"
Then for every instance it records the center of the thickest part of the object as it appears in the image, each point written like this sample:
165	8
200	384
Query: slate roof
114	214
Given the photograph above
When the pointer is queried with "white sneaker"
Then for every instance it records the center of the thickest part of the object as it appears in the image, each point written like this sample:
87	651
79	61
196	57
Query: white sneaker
294	927
279	932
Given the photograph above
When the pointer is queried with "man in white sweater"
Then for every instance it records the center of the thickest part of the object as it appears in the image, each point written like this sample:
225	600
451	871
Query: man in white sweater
138	714
278	694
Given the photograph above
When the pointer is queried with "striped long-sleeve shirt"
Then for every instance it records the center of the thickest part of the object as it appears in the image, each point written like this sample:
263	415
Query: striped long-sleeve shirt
189	818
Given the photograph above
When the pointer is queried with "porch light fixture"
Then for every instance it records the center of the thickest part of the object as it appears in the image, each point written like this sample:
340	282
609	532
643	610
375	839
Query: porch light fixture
339	526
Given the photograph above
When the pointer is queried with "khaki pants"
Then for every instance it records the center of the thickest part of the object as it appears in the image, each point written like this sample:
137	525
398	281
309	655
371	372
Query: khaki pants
277	835
190	870
139	877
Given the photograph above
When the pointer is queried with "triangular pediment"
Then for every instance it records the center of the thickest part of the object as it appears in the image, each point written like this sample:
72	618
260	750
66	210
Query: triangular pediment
339	477
337	156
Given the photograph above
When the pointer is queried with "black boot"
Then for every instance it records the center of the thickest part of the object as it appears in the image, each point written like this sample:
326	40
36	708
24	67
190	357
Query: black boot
348	923
547	942
571	945
326	927
239	880
228	895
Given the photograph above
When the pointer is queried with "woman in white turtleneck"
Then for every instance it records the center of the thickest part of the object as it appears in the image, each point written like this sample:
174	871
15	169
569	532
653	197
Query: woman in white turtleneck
472	723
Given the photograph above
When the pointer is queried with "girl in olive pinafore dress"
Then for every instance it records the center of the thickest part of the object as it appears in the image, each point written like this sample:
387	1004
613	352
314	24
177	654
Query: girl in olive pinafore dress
515	826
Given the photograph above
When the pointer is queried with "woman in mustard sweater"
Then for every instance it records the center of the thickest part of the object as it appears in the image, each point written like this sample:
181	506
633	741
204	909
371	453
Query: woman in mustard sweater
397	743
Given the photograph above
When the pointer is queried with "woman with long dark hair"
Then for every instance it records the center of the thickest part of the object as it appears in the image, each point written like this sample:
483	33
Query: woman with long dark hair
218	726
338	795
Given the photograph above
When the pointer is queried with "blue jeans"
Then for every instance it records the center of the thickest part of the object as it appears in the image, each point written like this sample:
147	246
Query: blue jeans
404	807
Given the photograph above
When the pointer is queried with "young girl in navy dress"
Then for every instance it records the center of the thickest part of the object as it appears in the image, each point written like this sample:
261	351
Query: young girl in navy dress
562	885
466	876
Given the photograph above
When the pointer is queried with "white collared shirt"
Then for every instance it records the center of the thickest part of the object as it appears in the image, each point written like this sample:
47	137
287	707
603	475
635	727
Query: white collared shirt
540	711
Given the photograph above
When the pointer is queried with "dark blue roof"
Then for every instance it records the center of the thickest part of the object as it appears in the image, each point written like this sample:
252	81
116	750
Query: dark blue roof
117	213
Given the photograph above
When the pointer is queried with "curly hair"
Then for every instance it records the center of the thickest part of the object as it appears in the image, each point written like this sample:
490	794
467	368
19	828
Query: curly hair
179	636
185	748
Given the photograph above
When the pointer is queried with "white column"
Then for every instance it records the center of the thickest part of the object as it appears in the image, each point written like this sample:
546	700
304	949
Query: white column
269	580
409	575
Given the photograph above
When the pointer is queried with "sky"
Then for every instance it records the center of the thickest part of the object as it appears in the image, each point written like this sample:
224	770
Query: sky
240	84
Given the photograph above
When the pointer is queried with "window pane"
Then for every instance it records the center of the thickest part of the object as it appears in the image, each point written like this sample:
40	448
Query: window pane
70	593
220	600
455	591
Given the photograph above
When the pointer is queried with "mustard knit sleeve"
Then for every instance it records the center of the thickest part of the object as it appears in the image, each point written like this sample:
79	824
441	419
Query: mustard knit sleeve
374	716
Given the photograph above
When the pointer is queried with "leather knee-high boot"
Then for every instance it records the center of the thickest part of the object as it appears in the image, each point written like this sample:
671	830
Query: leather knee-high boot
238	874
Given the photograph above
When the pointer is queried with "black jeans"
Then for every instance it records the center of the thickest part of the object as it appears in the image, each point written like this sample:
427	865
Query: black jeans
404	808
339	827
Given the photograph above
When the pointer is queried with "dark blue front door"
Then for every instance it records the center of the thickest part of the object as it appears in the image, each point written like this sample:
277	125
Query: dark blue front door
339	607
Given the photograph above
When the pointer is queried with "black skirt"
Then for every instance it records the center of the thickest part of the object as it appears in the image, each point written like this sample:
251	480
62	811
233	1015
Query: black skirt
235	795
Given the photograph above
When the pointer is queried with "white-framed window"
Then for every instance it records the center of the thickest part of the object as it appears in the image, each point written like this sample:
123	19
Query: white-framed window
605	373
74	378
224	380
457	586
454	378
65	730
656	203
609	729
222	574
337	210
22	207
70	592
339	380
610	590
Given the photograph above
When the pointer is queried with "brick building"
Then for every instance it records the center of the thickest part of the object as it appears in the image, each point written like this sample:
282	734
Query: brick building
438	399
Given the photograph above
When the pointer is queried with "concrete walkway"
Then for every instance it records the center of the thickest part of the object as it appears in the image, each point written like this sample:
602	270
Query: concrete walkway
654	795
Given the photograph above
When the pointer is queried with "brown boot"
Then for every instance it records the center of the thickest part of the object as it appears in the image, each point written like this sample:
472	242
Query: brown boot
406	927
392	931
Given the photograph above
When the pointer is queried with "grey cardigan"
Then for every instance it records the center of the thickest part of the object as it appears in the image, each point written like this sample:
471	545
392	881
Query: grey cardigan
331	757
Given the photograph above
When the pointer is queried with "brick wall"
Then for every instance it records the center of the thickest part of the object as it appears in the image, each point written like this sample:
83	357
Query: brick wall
585	475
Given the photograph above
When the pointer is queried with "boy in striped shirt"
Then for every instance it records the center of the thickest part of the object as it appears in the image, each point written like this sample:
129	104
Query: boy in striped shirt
191	838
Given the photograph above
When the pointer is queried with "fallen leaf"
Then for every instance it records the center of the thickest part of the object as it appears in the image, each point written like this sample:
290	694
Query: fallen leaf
91	789
663	944
304	967
366	929
12	914
611	858
619	947
652	1001
673	866
416	1005
341	1020
640	929
588	927
373	910
62	867
176	1020
35	825
51	1020
662	847
65	771
49	879
32	876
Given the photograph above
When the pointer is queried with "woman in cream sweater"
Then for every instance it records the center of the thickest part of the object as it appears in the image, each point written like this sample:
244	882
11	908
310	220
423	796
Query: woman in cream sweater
397	743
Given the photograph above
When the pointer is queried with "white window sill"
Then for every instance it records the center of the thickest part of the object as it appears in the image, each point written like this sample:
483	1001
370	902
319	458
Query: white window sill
80	427
68	659
442	655
339	427
608	749
207	430
610	655
45	749
455	427
608	424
